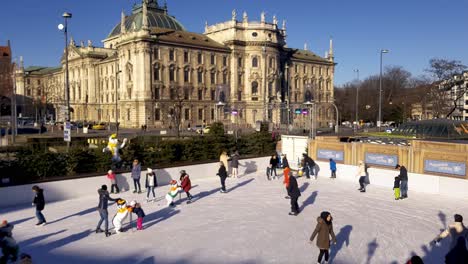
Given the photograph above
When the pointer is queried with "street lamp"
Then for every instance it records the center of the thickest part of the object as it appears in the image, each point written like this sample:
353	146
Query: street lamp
310	104
379	121
220	105
117	71
357	100
66	16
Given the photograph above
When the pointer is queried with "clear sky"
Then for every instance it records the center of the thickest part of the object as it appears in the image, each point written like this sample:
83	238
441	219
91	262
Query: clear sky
413	30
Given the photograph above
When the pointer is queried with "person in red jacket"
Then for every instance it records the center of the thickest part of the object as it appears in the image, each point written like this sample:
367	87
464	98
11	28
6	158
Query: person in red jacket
186	184
286	172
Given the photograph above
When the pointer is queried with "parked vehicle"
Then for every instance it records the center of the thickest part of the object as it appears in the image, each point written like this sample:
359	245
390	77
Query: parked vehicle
100	126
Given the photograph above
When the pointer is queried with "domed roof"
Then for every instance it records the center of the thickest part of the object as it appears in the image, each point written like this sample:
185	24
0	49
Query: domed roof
157	18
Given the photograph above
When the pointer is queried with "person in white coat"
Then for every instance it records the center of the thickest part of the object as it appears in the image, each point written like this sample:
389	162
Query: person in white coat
361	173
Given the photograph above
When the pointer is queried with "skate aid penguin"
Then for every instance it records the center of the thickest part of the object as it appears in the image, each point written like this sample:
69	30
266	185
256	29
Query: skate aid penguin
121	215
173	191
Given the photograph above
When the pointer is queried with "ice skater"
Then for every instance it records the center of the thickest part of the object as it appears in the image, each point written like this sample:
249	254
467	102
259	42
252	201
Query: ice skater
454	231
294	193
222	173
309	165
396	188
404	181
272	167
323	231
139	212
113	179
173	191
136	174
104	198
235	164
333	169
150	183
361	173
10	248
284	161
186	184
286	174
39	202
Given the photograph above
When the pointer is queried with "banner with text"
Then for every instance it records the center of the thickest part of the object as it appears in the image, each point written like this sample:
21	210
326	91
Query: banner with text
381	159
326	154
447	167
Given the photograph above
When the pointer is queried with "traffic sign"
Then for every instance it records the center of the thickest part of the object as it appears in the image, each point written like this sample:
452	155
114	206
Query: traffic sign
67	132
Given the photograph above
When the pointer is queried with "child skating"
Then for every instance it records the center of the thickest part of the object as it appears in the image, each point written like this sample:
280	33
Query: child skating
396	188
186	184
140	214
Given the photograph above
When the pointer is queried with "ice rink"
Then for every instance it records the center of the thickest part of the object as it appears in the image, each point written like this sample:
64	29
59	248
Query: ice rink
249	224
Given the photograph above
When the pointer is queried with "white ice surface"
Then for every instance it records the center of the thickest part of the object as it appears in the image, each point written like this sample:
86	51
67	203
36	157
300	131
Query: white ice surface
250	224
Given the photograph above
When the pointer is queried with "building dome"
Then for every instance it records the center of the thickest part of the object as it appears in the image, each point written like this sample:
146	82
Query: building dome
157	18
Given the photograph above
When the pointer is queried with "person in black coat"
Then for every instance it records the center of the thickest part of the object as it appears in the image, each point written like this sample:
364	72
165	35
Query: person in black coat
273	165
309	165
294	193
285	162
102	209
222	173
39	202
459	254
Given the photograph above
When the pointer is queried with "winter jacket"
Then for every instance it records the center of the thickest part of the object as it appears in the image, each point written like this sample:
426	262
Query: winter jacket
323	230
293	188
286	176
285	163
455	231
361	170
139	212
186	184
112	178
103	199
222	172
235	161
274	162
39	201
136	171
332	165
403	173
309	161
459	254
149	182
224	158
396	183
6	231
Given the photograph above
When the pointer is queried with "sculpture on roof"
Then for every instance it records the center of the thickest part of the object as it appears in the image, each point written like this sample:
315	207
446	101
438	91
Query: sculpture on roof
245	19
234	15
275	20
90	44
262	17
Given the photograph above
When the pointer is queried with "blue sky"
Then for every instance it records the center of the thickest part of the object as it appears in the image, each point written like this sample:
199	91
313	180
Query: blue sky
414	31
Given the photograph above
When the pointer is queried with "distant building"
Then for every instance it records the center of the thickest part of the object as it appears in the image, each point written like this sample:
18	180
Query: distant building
6	84
151	69
457	91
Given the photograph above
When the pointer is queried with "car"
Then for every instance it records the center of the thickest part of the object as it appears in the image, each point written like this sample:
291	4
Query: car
100	126
206	130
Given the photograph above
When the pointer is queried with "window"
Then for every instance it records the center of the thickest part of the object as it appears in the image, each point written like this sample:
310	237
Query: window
212	77
171	55
200	94
171	111
157	93
224	61
296	84
129	57
213	58
200	76
186	56
239	95
271	62
296	68
186	94
172	94
28	81
305	69
156	74
186	76
212	113
254	88
320	71
239	79
254	62
224	78
38	82
157	114
156	53
295	97
328	71
239	62
129	113
171	74
200	114
212	94
200	58
270	89
186	114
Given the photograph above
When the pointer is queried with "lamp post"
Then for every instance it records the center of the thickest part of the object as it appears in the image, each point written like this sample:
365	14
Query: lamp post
379	121
357	100
265	105
337	126
218	105
311	106
66	16
288	109
117	71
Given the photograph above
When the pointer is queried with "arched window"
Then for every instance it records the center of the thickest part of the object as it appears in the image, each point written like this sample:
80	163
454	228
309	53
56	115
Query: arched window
255	62
254	88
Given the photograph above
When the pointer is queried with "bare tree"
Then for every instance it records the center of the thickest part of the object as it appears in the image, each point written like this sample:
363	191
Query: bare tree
179	95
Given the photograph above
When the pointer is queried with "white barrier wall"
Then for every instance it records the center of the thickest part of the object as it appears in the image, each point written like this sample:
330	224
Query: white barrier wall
416	182
69	189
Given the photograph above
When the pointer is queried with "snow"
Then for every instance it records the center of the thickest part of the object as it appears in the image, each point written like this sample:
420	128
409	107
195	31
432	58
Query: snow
249	224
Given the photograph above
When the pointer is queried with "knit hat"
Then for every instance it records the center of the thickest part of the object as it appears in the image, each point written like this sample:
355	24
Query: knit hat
104	187
150	170
458	218
4	223
109	171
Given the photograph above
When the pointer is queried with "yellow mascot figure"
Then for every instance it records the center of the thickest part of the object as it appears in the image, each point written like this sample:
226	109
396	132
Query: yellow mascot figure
113	147
121	215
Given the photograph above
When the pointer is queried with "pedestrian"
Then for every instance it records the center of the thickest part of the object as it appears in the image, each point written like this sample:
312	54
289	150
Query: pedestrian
150	183
454	230
415	260
309	165
113	179
10	248
224	159
323	231
273	165
404	181
235	164
284	162
104	198
173	191
139	212
222	173
39	202
316	170
361	173
286	174
186	184
459	254
294	193
136	174
333	169
396	188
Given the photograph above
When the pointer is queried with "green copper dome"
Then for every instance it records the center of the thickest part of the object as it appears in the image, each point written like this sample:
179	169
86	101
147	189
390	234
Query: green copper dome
157	18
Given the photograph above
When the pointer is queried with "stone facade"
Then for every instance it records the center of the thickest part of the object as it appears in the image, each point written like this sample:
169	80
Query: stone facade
152	72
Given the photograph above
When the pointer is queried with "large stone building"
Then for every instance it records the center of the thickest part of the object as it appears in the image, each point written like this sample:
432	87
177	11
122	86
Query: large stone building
152	70
6	83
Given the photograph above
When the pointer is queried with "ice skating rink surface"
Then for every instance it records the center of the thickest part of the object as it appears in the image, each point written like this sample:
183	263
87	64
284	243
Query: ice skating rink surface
249	224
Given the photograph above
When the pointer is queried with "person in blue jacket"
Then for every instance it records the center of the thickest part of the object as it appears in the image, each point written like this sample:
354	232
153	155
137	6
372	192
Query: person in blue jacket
333	168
